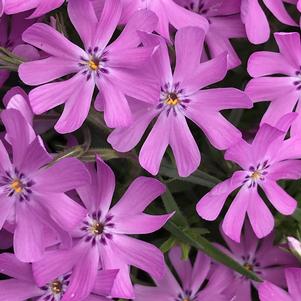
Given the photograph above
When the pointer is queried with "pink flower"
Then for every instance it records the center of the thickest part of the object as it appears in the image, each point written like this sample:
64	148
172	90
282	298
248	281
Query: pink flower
181	97
260	256
192	279
41	7
115	75
22	285
224	24
269	291
268	159
102	239
256	22
282	91
168	12
32	202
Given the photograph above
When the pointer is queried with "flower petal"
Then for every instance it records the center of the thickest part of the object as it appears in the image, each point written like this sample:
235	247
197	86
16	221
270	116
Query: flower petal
138	196
280	199
234	218
104	282
51	41
268	291
293	278
46	70
45	7
288	169
211	204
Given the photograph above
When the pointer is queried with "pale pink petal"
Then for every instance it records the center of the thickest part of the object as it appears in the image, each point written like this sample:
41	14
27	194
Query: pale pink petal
189	43
151	152
268	291
264	63
290	47
49	40
184	147
280	199
104	282
46	70
138	196
235	216
107	24
260	216
83	18
210	205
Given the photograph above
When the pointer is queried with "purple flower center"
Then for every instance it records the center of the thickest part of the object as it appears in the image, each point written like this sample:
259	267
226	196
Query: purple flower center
54	291
185	296
251	264
172	98
97	229
256	174
297	82
197	6
16	184
94	63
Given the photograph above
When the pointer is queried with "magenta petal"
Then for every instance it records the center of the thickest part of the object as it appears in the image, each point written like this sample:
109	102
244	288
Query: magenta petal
189	43
138	196
234	218
107	24
29	240
290	47
104	282
210	205
140	223
293	278
65	175
184	147
117	112
149	293
76	108
268	291
182	267
38	72
16	290
5	163
12	267
288	169
83	276
45	7
82	16
264	63
6	208
28	52
151	152
15	6
280	199
49	40
257	26
260	216
48	96
142	255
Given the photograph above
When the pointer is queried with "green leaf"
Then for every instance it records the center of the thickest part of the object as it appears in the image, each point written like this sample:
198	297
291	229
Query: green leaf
198	177
168	244
185	251
208	248
171	206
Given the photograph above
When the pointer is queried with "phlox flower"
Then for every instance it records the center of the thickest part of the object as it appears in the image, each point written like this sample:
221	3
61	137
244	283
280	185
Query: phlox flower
11	30
168	12
268	291
262	257
284	89
269	158
192	280
182	96
41	7
294	246
117	69
256	22
32	199
102	238
224	24
21	286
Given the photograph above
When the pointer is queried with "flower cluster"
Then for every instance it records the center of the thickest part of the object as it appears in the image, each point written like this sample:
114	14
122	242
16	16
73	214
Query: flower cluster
171	88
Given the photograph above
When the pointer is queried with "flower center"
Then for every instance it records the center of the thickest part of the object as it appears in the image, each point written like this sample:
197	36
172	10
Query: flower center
172	99
249	266
93	64
97	228
56	287
17	186
256	175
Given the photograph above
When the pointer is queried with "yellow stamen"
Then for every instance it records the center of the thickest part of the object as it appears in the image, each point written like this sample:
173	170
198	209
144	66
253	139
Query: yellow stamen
93	65
97	228
186	299
256	175
56	287
17	185
172	100
248	266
